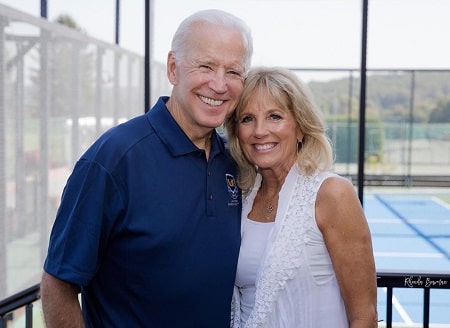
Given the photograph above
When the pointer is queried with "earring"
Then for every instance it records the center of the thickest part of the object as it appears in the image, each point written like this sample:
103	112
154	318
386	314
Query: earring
299	145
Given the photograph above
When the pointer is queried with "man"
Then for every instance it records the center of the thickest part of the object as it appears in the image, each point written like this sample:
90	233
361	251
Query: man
148	229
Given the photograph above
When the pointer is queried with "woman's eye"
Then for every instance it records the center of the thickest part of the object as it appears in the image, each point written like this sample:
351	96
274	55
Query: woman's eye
275	117
246	119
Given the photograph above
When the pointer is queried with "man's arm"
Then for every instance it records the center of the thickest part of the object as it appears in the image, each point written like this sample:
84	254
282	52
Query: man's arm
60	303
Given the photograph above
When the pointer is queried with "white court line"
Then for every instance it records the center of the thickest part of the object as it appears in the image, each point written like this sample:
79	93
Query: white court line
381	220
400	309
416	221
430	221
441	202
404	254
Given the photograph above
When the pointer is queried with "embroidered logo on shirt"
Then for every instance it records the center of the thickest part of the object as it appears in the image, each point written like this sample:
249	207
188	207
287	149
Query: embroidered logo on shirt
232	187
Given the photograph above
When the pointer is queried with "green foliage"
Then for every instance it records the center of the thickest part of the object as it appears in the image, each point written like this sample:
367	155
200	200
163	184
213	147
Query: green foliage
395	96
441	114
68	21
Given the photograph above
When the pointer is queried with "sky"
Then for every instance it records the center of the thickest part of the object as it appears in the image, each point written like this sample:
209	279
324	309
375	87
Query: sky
289	33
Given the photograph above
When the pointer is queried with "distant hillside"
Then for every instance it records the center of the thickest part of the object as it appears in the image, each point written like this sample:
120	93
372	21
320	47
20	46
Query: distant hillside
389	96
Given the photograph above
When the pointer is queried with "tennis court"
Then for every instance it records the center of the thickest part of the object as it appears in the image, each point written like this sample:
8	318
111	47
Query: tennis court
411	234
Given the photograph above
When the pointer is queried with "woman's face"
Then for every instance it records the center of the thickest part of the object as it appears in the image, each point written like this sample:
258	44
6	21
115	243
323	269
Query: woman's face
268	134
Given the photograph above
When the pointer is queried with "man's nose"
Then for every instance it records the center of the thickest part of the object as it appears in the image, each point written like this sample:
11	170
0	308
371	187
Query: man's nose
218	82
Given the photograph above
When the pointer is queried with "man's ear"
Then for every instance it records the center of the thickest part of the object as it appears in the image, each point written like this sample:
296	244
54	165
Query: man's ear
171	68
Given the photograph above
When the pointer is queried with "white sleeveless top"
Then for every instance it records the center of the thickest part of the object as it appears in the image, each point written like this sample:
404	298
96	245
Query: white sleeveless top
253	242
295	282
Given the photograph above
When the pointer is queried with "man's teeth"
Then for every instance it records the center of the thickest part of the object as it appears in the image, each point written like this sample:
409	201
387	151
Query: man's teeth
265	146
211	102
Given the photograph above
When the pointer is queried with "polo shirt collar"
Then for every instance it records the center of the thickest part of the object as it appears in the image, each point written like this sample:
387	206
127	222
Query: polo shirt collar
173	136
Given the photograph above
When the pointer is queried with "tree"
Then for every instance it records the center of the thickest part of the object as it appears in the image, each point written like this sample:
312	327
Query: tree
441	114
68	21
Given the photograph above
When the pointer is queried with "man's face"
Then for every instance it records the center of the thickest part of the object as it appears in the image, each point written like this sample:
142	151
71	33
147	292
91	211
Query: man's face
208	80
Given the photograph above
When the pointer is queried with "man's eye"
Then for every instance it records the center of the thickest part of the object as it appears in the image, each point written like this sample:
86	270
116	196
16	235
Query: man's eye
205	67
234	73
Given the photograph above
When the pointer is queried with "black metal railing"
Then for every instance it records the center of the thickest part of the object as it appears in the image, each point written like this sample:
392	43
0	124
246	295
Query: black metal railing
425	281
21	300
388	280
430	181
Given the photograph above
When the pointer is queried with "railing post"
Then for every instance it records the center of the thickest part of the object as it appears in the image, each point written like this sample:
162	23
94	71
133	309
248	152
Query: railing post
4	320
45	91
29	316
389	308
426	307
3	174
362	102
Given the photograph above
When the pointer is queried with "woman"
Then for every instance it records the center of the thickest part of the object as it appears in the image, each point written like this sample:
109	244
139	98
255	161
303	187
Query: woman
306	256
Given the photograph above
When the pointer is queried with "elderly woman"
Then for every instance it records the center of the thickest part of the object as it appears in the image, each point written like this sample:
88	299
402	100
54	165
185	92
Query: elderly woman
306	257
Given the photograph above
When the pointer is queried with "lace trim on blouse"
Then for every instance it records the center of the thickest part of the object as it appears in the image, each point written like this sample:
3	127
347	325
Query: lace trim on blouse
284	258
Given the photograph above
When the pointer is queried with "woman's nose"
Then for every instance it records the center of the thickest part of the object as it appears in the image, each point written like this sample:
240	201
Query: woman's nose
260	129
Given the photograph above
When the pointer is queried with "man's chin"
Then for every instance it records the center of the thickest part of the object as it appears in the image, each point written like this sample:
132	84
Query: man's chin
216	122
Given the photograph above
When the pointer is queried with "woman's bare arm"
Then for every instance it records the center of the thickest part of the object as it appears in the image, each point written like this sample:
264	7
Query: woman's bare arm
344	227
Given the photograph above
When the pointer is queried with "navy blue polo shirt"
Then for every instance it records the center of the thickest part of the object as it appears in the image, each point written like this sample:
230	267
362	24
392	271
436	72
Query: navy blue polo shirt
149	228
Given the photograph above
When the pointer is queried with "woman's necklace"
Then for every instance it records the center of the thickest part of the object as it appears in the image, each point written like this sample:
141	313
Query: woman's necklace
269	208
270	203
264	207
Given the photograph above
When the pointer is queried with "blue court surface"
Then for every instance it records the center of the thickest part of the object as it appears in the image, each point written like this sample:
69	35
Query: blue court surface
411	233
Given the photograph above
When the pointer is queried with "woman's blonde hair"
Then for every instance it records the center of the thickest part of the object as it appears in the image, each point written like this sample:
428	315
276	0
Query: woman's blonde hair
314	151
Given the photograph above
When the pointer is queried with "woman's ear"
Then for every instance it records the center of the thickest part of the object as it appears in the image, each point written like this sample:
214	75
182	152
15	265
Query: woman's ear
300	135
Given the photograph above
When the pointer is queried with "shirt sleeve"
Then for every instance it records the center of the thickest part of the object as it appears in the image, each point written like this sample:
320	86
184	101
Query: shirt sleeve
90	206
